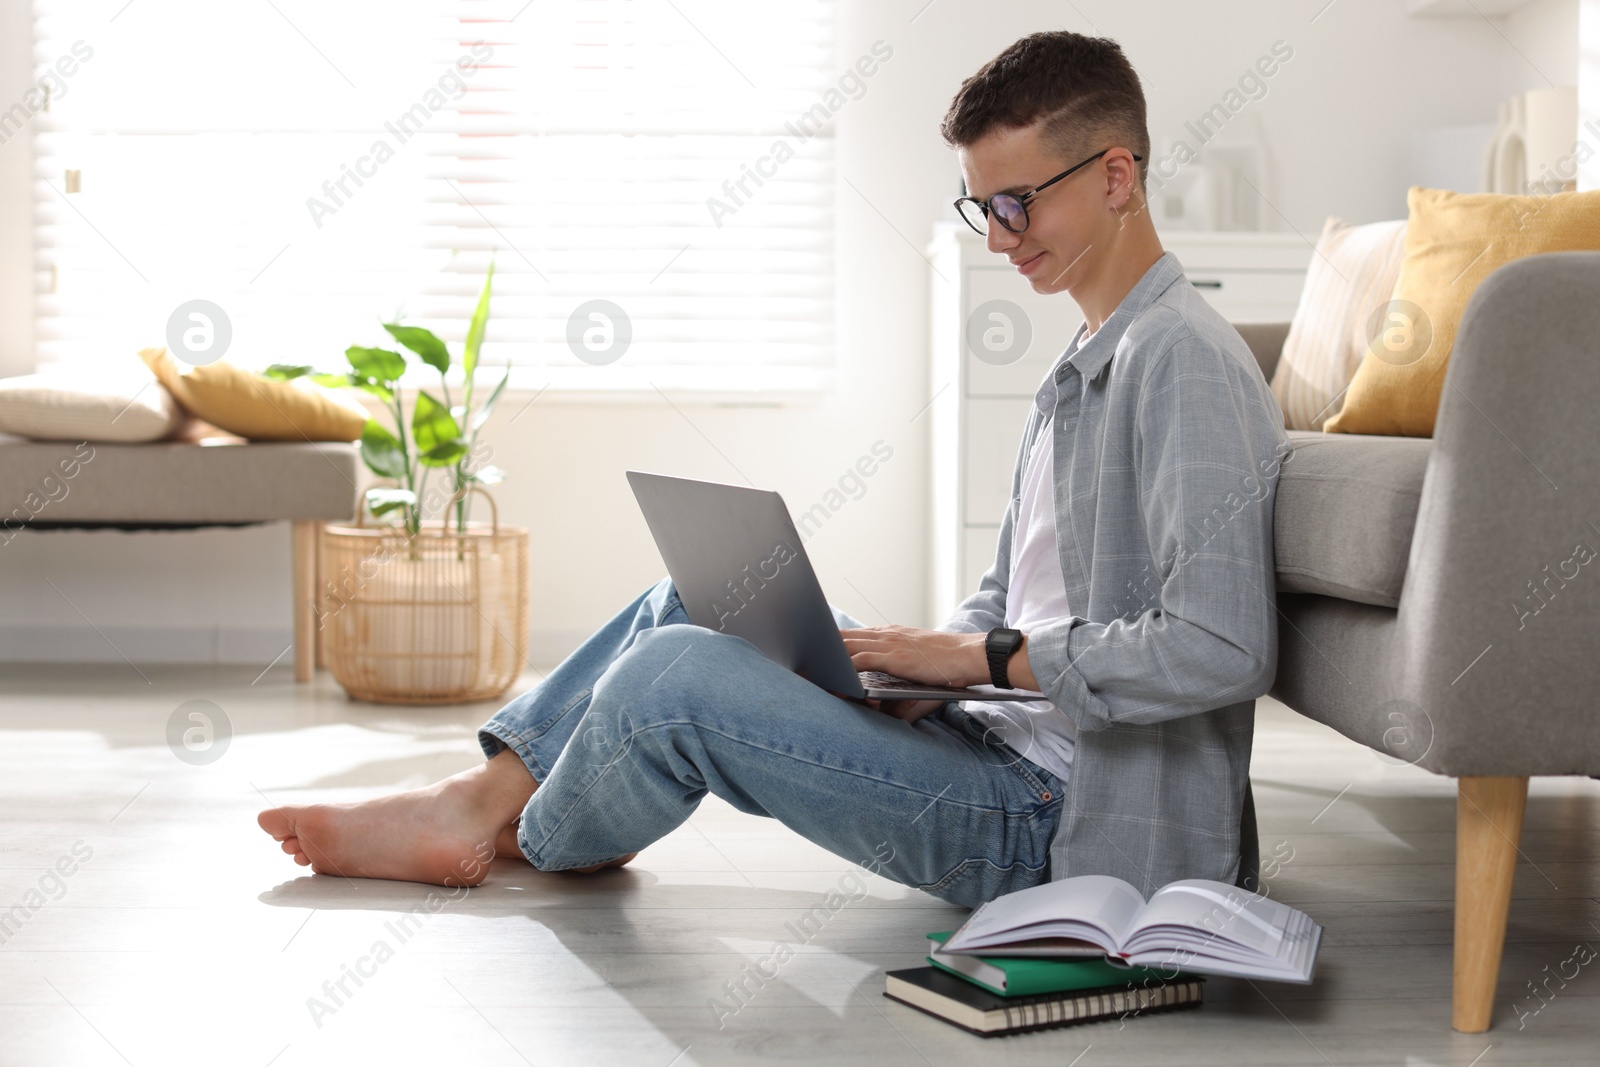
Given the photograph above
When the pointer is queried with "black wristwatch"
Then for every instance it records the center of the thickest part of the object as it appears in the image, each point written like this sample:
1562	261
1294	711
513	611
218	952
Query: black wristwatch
1000	643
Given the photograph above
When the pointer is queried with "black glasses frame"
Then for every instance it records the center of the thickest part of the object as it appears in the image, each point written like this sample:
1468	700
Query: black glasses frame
1020	200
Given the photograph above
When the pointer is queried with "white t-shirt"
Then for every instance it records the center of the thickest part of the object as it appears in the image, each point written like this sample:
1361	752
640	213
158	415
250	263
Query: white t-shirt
1037	594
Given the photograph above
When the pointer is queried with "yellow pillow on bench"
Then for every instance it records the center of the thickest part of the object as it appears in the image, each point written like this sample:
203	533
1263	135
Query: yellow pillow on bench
1453	241
233	399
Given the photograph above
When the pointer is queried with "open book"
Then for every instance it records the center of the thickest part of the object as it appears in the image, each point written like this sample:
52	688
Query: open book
1198	925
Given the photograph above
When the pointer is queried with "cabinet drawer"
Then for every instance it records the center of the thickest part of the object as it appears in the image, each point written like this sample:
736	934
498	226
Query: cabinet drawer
1250	295
1047	323
992	432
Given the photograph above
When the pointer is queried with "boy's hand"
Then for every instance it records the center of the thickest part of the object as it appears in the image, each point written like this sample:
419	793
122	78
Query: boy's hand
934	657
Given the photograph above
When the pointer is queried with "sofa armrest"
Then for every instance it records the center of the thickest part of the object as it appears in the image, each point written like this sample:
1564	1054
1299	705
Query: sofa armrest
1500	610
1266	342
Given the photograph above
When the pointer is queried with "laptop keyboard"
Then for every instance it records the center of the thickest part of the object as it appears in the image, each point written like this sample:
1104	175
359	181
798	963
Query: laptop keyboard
880	680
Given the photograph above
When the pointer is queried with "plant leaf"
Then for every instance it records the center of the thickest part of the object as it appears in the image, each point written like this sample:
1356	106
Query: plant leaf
444	454
480	321
335	381
431	423
488	405
423	343
487	476
377	389
381	501
283	372
377	363
382	451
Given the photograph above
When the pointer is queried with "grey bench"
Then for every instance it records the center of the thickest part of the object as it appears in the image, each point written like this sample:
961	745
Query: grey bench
70	485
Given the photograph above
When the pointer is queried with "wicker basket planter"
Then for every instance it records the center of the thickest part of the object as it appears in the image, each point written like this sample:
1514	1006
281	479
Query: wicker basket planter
440	618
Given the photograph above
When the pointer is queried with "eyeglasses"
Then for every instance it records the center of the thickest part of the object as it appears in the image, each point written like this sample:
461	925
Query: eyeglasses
1012	209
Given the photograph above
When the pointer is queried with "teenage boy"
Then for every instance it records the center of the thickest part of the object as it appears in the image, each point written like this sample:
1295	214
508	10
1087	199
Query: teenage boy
1132	585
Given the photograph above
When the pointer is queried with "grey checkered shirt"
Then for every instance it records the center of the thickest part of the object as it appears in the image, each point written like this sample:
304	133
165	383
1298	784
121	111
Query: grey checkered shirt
1167	447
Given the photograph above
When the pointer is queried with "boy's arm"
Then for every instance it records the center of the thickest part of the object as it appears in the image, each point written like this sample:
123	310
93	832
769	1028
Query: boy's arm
1208	447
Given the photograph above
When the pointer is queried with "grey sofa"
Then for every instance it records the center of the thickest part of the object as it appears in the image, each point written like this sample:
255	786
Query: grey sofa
1438	599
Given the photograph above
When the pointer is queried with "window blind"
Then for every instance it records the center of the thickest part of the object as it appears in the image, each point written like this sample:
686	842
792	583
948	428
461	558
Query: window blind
649	177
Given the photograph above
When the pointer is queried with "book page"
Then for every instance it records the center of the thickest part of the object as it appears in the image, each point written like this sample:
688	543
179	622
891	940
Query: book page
1232	914
1106	904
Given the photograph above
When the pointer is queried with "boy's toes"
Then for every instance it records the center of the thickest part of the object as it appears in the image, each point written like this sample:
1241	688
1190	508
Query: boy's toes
276	822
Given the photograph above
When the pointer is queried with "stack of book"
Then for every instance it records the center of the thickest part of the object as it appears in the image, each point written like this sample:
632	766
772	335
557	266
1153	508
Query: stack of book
1091	947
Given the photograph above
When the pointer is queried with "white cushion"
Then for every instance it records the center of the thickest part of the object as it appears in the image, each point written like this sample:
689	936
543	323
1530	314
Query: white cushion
56	406
1351	276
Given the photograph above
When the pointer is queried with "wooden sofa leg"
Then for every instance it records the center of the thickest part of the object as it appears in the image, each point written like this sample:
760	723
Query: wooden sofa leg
320	575
303	553
1488	827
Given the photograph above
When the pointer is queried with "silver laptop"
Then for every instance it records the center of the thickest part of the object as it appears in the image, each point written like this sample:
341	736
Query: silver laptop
737	562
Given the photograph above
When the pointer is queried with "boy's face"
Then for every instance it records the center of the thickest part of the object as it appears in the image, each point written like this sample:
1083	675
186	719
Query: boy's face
1065	221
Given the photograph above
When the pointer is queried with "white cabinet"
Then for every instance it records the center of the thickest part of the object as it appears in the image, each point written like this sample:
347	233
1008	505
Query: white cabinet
988	359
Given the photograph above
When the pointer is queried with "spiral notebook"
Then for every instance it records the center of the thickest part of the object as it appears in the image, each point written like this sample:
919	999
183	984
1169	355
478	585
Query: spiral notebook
976	1010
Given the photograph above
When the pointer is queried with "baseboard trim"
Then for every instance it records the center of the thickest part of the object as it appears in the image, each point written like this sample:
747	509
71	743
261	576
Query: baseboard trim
142	644
258	645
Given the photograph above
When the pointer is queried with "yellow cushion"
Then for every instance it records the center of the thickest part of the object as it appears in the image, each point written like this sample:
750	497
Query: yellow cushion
1453	241
238	401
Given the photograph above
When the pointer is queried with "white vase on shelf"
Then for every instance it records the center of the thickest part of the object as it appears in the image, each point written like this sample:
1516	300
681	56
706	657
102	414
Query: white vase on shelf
1505	158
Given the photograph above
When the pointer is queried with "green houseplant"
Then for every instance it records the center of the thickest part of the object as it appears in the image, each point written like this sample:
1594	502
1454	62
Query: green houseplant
442	434
414	612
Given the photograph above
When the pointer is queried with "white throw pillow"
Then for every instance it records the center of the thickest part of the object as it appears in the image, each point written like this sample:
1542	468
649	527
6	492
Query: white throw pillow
55	406
1352	274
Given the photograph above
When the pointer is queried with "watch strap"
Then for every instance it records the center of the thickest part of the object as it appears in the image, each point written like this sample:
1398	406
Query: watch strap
999	645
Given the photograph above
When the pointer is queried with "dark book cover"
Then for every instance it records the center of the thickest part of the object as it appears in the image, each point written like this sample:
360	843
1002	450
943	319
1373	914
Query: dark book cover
976	1010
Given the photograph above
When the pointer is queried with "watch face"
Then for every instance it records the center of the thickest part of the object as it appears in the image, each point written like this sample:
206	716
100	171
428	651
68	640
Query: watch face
1004	640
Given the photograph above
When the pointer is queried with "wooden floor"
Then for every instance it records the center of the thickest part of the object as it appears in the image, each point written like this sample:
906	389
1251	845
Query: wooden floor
159	926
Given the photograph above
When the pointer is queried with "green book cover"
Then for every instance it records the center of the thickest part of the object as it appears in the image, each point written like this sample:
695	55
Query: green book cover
1014	976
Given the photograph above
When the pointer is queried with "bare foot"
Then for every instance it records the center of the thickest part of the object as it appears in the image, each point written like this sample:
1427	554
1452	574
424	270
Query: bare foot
442	834
505	845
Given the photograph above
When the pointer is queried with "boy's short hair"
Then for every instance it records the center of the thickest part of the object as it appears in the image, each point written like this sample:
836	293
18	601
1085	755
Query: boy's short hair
1083	88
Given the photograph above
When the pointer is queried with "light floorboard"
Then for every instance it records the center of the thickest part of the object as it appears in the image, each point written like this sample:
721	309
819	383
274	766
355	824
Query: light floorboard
186	937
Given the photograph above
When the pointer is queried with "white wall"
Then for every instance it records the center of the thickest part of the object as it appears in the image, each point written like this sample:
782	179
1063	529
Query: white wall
1544	45
16	195
1588	38
1338	116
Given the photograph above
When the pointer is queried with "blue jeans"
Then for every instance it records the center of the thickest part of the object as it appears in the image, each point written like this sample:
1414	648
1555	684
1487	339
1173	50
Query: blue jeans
652	712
